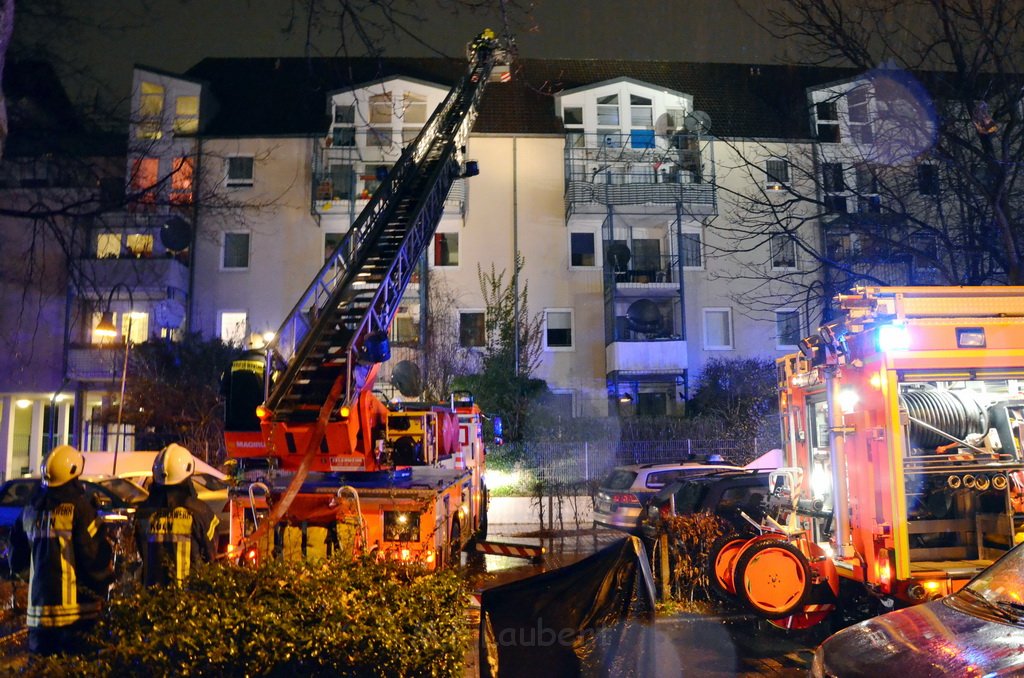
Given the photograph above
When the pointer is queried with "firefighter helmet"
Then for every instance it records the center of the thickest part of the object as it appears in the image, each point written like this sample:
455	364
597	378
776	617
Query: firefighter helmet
174	464
62	466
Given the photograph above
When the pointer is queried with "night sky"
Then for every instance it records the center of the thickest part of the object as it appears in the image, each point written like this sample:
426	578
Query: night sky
173	35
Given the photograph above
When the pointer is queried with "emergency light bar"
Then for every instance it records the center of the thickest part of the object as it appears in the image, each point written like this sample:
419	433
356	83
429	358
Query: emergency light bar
893	338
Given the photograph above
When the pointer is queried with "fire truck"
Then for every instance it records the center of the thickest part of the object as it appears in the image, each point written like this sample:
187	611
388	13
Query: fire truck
902	423
322	463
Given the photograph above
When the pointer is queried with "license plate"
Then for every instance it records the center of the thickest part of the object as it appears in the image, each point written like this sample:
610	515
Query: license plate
604	506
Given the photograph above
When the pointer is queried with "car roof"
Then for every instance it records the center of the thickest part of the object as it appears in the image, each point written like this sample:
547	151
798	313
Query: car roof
669	465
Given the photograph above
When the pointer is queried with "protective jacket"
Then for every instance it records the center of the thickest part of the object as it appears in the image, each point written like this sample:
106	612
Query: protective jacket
174	531
62	541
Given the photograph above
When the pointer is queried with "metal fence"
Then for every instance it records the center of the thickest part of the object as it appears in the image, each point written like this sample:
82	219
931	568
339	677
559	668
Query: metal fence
582	462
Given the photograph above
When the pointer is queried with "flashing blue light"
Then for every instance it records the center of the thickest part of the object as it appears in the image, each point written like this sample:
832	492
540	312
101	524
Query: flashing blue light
893	338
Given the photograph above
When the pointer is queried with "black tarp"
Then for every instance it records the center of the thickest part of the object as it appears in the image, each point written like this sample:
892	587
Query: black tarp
591	618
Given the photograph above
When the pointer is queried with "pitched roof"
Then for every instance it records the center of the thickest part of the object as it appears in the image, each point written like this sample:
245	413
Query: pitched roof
288	96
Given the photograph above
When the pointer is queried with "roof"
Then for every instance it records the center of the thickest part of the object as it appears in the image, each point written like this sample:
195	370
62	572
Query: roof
289	96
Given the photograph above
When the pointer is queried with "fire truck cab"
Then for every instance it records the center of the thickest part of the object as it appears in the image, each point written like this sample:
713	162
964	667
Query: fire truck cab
903	424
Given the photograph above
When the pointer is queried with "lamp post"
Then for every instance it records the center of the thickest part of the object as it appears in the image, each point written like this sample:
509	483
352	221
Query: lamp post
106	328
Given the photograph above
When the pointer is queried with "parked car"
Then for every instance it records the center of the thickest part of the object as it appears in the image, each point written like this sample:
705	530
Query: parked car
622	495
110	501
725	494
210	489
978	631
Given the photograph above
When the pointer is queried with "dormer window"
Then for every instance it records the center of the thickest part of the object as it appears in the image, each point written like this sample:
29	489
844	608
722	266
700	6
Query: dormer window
186	115
151	111
827	114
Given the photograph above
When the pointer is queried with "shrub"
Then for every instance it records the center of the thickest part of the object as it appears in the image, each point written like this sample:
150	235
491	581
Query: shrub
333	617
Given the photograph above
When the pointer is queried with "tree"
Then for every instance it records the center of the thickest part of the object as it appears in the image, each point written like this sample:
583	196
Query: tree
738	392
6	32
926	187
505	385
173	394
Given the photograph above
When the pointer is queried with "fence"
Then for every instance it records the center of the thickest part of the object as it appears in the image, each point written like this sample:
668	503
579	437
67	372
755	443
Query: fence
582	462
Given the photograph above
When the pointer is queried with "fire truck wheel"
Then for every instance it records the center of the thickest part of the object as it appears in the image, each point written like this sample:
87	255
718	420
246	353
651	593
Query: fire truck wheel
455	544
773	577
721	562
481	529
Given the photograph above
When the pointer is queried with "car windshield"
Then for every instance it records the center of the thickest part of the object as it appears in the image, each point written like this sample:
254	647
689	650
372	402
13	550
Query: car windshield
124	489
17	493
689	497
1001	584
209	482
619	479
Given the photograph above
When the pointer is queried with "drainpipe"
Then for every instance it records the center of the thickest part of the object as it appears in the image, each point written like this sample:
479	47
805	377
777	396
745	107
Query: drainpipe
515	252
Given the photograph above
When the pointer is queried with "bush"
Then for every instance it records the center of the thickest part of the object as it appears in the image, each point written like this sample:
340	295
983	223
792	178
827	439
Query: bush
333	617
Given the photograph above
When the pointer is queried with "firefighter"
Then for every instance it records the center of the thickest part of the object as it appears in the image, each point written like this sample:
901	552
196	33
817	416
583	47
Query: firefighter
173	529
61	540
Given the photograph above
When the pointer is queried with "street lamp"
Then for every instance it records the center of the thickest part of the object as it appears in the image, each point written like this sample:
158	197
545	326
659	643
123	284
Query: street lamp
106	328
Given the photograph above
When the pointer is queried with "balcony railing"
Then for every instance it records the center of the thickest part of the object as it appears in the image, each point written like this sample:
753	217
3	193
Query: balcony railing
632	170
96	363
646	357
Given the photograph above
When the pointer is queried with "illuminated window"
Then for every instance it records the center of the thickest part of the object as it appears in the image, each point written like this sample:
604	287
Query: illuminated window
414	108
182	175
404	329
151	111
137	327
186	115
108	245
139	244
380	109
233	327
144	179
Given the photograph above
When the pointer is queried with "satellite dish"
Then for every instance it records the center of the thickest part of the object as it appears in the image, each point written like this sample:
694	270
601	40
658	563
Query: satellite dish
618	256
176	234
697	122
169	313
643	315
406	378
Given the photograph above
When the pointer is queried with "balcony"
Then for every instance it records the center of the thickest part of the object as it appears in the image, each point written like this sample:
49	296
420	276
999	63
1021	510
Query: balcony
654	356
95	363
147	277
639	174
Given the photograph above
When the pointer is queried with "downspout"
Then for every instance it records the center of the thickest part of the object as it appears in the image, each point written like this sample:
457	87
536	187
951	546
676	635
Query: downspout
189	310
515	252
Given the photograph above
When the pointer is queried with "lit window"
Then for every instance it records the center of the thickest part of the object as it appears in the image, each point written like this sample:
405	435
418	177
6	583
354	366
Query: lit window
581	250
414	107
777	173
446	249
182	175
558	329
240	171
186	115
151	111
144	179
783	251
718	329
233	327
140	245
134	323
380	109
471	329
108	245
787	328
235	252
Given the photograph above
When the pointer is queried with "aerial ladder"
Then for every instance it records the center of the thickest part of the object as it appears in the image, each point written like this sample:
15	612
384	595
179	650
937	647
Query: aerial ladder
319	414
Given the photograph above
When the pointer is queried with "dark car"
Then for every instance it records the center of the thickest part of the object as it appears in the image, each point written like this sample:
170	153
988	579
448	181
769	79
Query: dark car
725	493
621	498
978	631
14	495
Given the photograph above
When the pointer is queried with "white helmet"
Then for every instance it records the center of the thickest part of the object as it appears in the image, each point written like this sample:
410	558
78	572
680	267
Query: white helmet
174	464
64	464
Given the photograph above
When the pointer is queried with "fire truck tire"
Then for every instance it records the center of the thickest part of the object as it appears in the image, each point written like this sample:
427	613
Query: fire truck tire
773	578
455	544
721	564
481	527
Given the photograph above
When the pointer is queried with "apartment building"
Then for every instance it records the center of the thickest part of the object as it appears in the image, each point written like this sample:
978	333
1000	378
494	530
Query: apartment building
627	187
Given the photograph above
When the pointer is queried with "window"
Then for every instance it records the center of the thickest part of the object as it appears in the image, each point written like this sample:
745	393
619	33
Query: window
340	183
331	242
343	133
641	122
233	327
572	115
717	329
928	179
404	329
692	255
860	124
414	108
139	245
240	171
608	111
581	250
471	329
832	177
787	328
557	329
783	249
108	245
235	251
151	111
380	109
446	249
777	173
144	179
182	173
186	115
827	118
835	204
375	136
559	403
134	323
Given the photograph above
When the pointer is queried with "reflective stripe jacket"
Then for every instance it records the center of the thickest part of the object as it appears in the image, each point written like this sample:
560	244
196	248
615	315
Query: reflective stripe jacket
64	544
174	532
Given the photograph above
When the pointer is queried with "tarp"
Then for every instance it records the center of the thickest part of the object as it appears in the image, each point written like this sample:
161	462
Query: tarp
590	618
99	464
